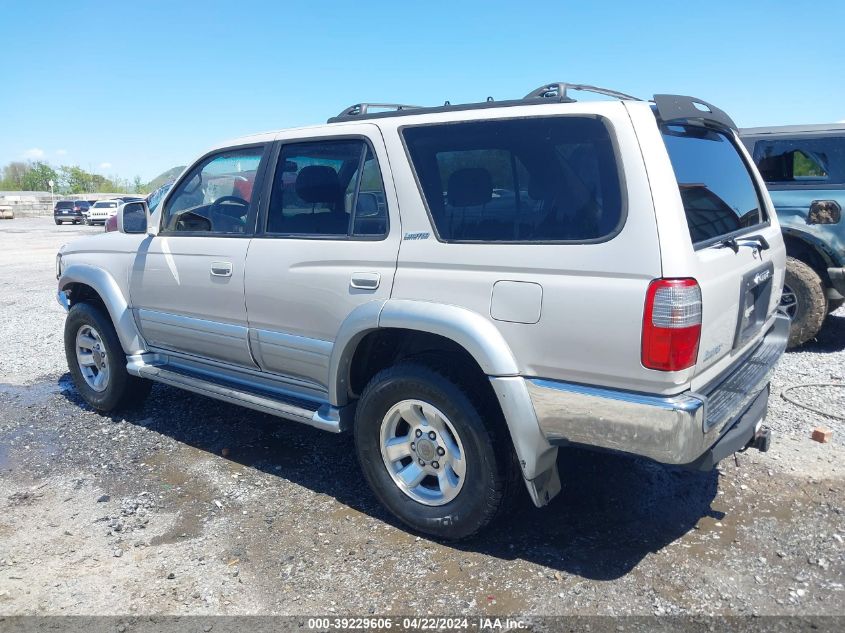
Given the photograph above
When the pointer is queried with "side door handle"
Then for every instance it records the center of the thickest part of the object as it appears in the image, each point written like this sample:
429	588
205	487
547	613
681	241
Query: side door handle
365	281
221	269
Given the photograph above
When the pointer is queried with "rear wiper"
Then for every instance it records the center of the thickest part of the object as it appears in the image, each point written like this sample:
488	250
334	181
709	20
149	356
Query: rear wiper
730	242
754	241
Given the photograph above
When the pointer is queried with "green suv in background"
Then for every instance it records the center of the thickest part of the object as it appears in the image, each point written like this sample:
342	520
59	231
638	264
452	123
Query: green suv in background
804	170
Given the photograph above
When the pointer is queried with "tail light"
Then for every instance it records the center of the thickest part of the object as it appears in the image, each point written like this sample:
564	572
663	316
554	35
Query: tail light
671	324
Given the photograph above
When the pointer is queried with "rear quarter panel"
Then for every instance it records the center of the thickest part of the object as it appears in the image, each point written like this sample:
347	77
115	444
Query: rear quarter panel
590	320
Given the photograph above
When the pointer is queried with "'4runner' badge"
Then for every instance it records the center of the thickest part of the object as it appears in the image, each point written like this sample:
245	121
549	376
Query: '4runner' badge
416	236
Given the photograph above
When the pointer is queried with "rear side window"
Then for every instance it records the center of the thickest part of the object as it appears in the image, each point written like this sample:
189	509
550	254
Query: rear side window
807	160
520	180
716	187
329	188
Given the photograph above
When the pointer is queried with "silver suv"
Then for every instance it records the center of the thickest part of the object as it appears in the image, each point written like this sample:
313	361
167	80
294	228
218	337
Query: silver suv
465	288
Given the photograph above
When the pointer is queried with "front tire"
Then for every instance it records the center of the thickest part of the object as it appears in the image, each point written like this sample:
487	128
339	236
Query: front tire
804	300
440	461
97	362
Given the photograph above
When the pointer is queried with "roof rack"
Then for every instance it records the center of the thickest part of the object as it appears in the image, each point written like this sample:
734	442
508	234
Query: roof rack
361	109
558	91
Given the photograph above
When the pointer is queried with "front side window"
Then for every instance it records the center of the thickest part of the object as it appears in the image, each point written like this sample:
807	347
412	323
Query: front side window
519	180
328	188
798	160
717	192
216	195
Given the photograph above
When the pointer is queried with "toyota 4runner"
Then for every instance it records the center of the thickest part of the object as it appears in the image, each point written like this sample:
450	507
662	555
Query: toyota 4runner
466	288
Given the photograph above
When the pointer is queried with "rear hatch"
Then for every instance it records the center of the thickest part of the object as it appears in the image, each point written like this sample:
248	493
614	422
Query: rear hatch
737	255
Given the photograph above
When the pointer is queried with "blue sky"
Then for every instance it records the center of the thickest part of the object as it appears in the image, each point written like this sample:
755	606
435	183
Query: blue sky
134	88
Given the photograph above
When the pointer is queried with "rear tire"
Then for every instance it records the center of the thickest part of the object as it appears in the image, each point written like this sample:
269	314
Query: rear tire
97	362
436	424
58	222
809	308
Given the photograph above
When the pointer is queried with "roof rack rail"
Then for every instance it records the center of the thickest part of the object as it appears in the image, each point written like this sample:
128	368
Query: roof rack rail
360	109
558	91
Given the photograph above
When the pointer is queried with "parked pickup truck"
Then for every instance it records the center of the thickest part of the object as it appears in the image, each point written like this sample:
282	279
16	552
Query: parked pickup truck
804	168
465	288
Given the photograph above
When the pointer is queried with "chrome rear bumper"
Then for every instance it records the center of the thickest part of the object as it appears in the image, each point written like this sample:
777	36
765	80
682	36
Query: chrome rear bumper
672	430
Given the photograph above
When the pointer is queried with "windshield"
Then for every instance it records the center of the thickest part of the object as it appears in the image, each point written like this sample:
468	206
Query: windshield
105	205
718	194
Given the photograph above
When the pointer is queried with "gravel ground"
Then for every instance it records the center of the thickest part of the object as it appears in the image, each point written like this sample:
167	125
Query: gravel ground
190	506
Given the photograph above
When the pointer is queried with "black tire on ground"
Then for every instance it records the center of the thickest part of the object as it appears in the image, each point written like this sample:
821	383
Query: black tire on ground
123	390
811	308
58	222
834	304
492	475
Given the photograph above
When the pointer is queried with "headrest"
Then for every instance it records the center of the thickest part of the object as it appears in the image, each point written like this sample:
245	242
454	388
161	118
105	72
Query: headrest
318	183
470	187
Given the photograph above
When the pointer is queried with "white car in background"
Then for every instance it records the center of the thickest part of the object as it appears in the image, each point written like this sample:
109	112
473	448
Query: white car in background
101	211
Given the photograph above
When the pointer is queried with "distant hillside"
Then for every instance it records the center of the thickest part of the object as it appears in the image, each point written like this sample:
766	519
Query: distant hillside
170	174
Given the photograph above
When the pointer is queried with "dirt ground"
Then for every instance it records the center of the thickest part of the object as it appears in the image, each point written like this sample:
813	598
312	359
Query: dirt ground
191	506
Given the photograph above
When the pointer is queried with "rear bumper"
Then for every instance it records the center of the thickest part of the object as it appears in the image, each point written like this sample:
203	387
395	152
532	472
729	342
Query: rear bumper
680	429
837	279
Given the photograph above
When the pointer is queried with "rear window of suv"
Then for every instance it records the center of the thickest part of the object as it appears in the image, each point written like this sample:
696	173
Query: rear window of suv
717	191
539	179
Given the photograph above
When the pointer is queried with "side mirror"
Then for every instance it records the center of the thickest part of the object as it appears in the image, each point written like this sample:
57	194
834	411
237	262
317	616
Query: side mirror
367	205
132	217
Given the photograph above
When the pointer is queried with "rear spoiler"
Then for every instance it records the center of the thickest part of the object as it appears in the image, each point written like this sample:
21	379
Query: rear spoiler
678	109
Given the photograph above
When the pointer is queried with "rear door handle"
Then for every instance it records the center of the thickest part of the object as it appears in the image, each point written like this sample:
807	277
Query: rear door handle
365	281
221	269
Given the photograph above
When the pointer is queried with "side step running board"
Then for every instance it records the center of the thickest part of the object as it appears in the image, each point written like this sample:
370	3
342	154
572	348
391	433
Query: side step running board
324	417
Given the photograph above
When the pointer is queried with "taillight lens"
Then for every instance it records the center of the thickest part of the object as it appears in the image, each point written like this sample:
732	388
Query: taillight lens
671	324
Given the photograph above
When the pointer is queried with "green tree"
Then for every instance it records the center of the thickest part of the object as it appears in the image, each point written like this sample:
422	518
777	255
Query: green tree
38	177
13	175
75	179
